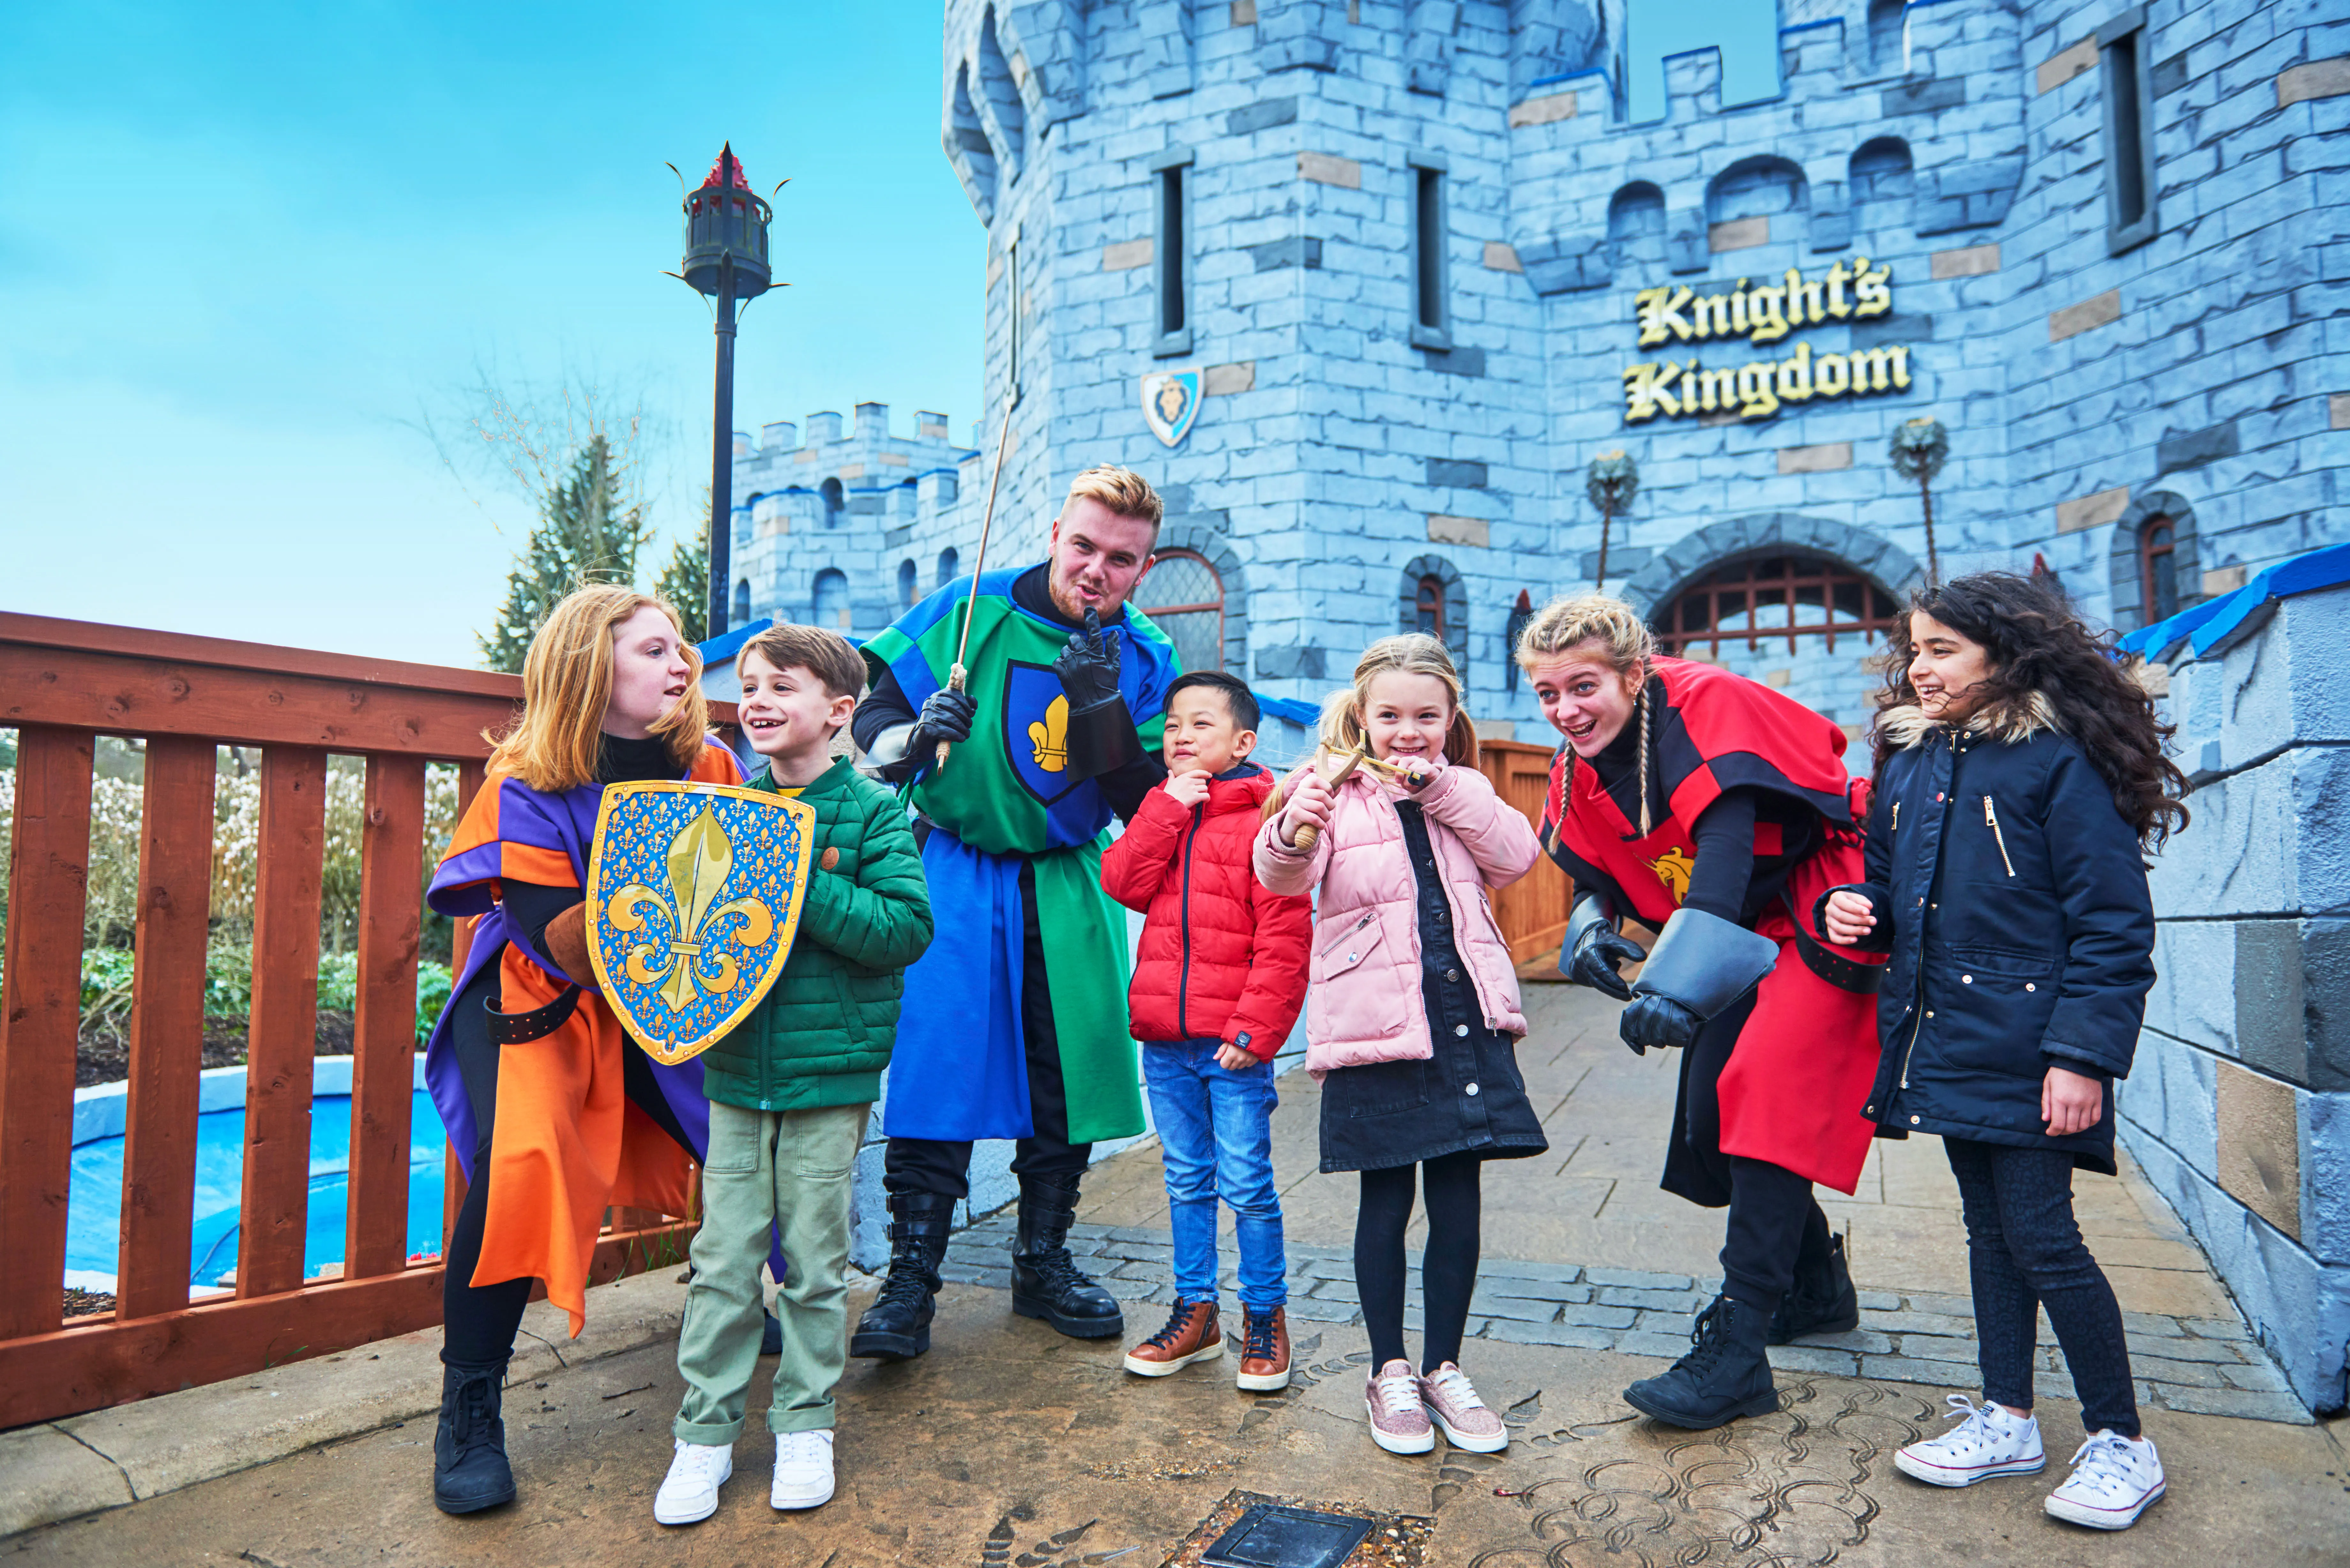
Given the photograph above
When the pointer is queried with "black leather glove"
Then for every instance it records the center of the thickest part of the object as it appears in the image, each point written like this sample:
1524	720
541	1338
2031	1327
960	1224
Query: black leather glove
1596	953
1088	668
1656	1020
946	716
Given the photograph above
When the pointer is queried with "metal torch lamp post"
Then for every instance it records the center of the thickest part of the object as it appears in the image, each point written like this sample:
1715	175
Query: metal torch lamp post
725	258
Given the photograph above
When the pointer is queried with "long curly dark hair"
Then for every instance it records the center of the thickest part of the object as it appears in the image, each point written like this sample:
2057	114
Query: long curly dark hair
2037	645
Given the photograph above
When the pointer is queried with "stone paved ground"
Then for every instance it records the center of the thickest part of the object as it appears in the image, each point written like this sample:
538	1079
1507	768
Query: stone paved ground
1585	1252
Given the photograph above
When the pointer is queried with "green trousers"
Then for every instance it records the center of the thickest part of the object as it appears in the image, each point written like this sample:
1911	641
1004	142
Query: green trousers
789	1170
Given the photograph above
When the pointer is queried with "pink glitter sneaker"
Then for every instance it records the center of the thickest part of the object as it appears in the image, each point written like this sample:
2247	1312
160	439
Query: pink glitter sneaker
1398	1425
1453	1405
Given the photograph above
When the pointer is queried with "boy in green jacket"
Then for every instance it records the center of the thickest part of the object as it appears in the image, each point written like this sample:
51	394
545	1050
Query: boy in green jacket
790	1089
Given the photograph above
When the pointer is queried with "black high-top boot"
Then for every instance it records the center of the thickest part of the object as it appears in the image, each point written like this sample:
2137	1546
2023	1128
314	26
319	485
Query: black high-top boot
1822	1301
1725	1375
1045	1281
469	1472
897	1326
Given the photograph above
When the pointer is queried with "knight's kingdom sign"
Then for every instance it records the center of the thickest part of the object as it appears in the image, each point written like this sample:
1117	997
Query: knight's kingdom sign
693	898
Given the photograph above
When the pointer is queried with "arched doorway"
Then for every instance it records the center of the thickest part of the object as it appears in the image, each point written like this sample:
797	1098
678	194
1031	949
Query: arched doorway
1774	601
1184	598
831	605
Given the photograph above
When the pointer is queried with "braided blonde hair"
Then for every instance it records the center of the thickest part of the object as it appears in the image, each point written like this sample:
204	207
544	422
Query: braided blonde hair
1575	622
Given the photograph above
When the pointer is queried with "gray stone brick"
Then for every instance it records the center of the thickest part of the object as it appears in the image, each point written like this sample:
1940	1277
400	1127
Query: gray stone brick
1671	1347
1591	1315
1313	1311
2257	1375
1639	1280
2153	1324
1295	251
1918	1322
1859	1340
2215	1328
1815	1358
1445	472
1943	1306
1937	1347
2250	1404
1459	361
1516	1309
1879	1300
967	1274
2193	449
1922	97
2217	1352
1954	1375
1663	1299
1571	1336
2193	1373
1515	1269
1330	1290
1260	115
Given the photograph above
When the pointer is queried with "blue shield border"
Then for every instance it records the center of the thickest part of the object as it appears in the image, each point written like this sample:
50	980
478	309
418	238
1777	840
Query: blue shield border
1029	692
1170	431
770	842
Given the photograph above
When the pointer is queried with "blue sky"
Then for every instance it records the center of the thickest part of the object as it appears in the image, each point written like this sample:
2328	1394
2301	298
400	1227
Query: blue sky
241	247
244	247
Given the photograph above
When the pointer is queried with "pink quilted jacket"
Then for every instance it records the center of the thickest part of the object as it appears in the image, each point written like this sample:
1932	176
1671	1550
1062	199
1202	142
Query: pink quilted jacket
1363	999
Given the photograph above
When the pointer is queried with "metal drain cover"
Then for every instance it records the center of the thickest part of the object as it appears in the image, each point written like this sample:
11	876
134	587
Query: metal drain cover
1270	1536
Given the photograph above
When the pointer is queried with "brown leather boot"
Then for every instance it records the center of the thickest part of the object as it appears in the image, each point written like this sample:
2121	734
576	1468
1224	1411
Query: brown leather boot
1264	1351
1192	1334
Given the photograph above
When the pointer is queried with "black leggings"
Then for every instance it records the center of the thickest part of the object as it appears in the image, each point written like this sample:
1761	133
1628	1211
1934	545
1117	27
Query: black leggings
2025	1252
1448	1269
479	1322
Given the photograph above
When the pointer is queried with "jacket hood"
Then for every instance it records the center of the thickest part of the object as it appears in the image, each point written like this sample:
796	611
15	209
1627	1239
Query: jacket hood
1242	787
2010	721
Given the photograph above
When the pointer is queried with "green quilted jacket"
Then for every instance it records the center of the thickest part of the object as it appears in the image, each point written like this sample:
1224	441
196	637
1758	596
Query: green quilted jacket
822	1033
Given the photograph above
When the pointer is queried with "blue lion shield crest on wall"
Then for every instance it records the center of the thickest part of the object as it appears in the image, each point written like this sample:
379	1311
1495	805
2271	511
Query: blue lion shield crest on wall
693	898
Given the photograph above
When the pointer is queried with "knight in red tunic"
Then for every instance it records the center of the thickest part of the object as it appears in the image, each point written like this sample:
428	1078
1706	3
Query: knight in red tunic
1710	809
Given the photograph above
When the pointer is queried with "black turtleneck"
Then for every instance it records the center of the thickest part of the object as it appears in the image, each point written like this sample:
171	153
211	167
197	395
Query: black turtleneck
619	760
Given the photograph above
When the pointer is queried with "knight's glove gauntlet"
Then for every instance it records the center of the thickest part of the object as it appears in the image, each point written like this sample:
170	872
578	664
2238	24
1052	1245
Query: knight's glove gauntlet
1700	967
1593	949
1100	736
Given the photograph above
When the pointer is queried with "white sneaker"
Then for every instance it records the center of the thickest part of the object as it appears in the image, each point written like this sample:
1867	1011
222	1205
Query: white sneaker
803	1471
690	1494
2114	1479
1988	1441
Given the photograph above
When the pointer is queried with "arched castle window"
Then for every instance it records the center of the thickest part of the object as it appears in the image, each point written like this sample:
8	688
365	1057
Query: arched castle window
1880	182
1635	227
1764	187
834	501
1888	31
1765	598
1185	598
831	599
949	566
1436	601
2157	569
741	611
905	581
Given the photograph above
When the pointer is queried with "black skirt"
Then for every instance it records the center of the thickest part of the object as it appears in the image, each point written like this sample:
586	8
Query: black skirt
1469	1096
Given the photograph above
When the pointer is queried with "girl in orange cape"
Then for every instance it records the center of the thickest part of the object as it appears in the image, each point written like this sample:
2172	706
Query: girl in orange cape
552	1111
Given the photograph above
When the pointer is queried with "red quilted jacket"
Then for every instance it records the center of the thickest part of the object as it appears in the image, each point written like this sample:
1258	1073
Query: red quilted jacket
1220	958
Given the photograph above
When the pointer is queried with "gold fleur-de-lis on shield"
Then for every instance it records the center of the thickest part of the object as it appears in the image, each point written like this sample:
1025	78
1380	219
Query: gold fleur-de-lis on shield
1048	738
692	953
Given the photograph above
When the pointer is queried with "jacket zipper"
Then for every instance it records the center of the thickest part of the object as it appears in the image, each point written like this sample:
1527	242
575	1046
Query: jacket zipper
1897	817
1184	978
1990	818
1330	947
1914	1030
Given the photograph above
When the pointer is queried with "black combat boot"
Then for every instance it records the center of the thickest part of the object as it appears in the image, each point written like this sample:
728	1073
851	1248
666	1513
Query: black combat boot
1725	1375
469	1472
1822	1301
1045	1281
897	1326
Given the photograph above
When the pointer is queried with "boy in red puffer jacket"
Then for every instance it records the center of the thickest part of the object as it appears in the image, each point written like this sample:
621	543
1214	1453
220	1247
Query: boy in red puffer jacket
1216	986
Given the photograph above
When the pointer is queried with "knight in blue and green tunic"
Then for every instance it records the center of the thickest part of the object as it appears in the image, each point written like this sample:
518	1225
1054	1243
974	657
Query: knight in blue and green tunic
1014	1020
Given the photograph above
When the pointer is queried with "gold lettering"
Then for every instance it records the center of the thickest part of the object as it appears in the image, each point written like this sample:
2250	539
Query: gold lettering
1660	311
1717	389
1644	393
1874	298
1834	378
1768	325
1805	300
1876	369
1796	375
1710	318
1756	401
1837	278
1738	307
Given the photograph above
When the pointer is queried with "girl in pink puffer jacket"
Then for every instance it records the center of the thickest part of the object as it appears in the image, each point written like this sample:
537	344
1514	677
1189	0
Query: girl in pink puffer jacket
1412	1013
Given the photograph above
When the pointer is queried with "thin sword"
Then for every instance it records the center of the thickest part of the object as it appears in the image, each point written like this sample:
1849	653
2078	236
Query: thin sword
959	677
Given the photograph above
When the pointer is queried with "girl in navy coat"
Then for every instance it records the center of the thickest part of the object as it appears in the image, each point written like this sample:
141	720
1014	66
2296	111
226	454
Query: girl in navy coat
2020	777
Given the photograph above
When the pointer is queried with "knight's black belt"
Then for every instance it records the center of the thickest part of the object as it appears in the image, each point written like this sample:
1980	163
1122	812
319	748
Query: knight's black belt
515	1028
1839	970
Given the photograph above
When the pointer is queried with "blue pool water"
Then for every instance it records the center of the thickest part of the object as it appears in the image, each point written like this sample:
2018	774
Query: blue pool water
94	1212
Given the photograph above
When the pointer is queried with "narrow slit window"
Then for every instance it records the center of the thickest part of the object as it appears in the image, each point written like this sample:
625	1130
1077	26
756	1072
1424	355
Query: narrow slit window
1171	254
2130	132
1012	319
1431	326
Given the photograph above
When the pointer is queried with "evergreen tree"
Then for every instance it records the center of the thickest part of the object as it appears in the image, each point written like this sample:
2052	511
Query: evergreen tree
685	581
589	532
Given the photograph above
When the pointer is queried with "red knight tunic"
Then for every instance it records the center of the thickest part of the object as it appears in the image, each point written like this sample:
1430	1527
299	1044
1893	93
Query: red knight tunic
1796	1082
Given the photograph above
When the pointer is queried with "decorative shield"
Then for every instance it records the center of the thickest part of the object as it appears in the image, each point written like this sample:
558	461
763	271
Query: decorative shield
1171	402
1036	730
693	898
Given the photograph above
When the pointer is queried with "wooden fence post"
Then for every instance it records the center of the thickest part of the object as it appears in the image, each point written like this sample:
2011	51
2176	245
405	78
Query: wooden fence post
282	1042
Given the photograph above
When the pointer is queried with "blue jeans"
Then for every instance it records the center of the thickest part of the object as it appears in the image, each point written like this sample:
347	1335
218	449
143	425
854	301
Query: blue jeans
1216	1128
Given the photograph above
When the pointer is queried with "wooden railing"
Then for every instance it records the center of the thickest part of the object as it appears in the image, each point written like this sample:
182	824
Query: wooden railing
1533	909
62	684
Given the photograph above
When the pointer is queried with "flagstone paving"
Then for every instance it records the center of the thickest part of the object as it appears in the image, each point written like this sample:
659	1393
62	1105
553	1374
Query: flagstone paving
1010	1446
